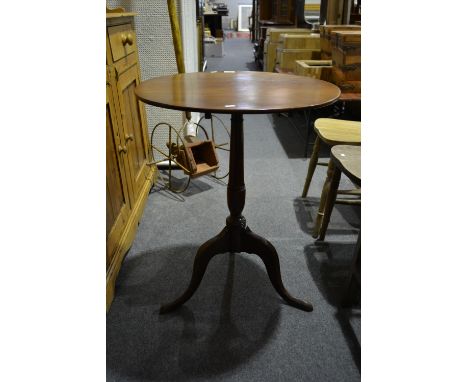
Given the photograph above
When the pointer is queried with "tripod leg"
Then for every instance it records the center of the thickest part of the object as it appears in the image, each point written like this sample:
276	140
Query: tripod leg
253	243
216	245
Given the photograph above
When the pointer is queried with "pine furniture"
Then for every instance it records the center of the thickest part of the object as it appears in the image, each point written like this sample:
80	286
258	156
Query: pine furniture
326	37
129	173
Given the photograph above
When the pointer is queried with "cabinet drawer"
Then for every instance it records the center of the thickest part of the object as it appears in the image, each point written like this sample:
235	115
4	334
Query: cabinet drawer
122	40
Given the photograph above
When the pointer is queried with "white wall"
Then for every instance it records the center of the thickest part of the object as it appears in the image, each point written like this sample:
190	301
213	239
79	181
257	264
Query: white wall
188	26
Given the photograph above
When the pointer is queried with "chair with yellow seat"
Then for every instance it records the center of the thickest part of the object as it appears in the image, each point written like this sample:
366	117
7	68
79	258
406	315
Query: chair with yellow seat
331	132
344	159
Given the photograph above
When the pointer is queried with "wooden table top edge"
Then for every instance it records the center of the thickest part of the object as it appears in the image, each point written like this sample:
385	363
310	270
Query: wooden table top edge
233	111
218	110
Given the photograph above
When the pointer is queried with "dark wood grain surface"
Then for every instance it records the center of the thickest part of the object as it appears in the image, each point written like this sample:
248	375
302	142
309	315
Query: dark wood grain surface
237	92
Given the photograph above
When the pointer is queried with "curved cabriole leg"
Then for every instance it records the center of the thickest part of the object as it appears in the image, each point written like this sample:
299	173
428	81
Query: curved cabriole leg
253	243
216	245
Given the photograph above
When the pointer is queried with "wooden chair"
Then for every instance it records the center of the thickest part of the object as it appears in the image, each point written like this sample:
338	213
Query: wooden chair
344	159
332	132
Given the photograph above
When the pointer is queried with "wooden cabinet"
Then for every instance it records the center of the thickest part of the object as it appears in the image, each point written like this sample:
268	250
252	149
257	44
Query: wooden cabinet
135	130
129	173
276	14
117	198
278	11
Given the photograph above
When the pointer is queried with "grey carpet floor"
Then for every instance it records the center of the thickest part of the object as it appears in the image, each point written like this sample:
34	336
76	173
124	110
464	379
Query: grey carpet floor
235	327
238	55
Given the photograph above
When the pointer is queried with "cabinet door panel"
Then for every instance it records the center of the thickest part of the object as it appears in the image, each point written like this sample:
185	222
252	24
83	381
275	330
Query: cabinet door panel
135	130
110	216
133	122
117	199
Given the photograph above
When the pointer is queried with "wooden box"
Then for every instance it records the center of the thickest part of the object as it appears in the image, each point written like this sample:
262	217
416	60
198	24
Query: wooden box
346	39
346	47
300	41
273	34
200	158
347	85
286	58
341	58
277	11
347	73
319	69
325	36
269	55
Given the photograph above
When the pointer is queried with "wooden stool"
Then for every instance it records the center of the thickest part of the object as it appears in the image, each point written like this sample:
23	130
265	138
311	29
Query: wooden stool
346	159
332	132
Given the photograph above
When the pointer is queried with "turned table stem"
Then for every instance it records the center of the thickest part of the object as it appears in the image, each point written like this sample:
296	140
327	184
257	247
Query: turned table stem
236	186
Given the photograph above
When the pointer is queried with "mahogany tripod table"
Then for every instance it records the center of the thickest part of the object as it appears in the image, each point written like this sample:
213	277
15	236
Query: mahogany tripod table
237	93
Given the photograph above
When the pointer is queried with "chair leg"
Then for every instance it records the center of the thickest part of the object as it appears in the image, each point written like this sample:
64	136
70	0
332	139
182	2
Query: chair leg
309	128
312	165
335	182
323	200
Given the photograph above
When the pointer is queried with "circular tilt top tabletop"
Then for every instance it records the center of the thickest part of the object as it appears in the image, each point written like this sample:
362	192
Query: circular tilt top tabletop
237	92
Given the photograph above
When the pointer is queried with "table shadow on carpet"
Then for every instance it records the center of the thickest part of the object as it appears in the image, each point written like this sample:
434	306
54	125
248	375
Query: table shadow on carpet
233	314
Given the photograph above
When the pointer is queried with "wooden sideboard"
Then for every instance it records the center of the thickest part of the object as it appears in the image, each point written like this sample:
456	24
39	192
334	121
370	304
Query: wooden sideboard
129	173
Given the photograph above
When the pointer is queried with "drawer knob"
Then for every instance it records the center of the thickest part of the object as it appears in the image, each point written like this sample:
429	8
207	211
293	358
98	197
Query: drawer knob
122	149
129	137
126	38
